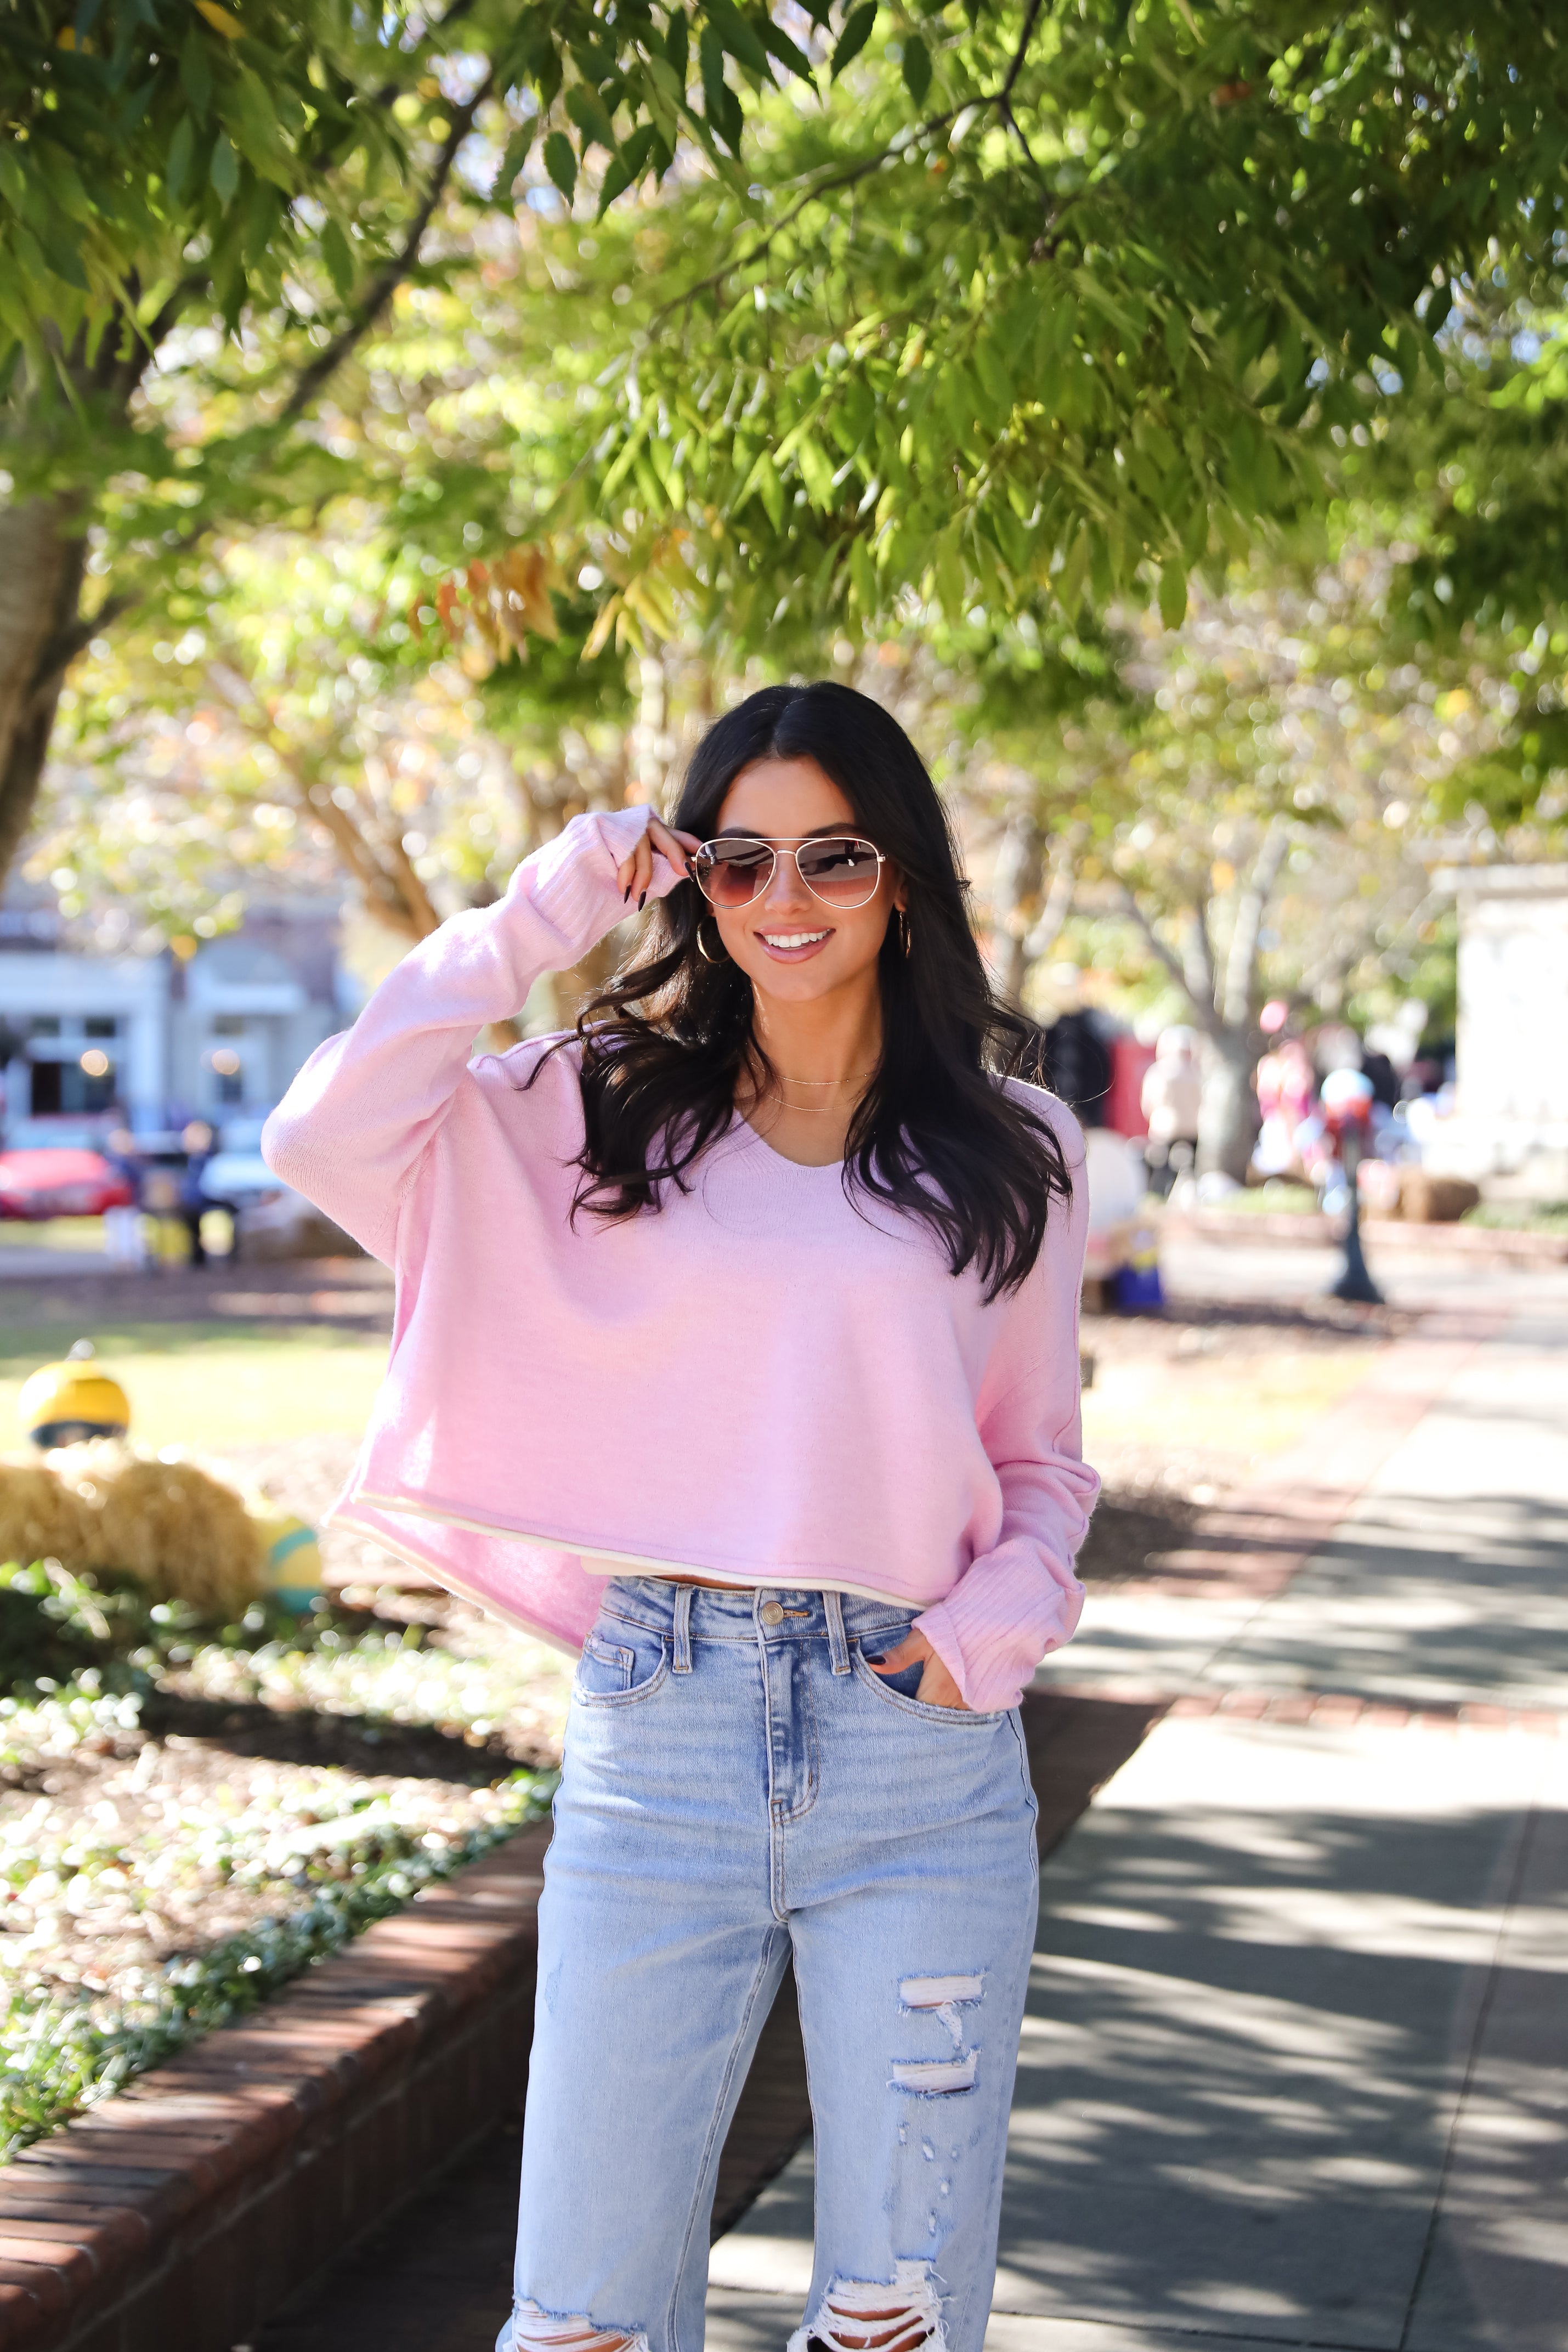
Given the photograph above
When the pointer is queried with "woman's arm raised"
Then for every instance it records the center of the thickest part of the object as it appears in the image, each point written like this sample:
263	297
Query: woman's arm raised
355	1121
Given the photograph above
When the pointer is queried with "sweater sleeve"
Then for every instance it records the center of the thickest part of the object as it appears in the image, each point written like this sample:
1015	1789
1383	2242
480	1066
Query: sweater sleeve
353	1125
1021	1600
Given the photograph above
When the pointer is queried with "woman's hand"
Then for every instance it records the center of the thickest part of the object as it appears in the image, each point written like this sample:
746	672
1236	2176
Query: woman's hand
937	1688
636	872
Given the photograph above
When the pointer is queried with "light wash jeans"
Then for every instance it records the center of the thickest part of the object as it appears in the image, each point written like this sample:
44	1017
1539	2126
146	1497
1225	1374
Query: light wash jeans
740	1788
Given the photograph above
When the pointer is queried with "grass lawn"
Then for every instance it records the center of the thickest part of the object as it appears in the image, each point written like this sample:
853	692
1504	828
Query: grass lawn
214	1385
53	1234
1234	1408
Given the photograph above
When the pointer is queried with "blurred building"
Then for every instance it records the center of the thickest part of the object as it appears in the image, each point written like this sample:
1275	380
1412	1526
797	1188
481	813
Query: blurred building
1510	1113
219	1033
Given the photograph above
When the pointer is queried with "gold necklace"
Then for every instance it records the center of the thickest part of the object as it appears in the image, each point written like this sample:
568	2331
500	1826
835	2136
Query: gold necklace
851	1079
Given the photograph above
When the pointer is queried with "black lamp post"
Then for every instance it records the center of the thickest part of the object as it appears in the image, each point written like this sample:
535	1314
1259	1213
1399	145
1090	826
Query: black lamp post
1347	1110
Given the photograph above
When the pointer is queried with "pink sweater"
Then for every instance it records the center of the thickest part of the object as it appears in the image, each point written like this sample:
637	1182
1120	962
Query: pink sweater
757	1381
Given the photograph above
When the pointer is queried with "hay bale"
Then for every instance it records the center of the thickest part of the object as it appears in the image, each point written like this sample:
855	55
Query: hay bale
178	1529
184	1534
1428	1200
43	1518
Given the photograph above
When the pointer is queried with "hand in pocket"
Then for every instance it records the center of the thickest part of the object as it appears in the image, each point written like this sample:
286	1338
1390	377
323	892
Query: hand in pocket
936	1686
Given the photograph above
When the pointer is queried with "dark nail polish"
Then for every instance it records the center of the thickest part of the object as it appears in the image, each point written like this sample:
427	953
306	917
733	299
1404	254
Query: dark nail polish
625	894
642	900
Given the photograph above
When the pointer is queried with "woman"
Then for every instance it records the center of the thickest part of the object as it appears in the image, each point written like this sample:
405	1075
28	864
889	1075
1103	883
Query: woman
735	1346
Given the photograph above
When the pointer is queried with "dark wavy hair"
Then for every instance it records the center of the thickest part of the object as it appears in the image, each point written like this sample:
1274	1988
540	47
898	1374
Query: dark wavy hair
666	1044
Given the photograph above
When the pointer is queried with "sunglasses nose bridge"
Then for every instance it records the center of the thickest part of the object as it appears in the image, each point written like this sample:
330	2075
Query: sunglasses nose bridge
784	886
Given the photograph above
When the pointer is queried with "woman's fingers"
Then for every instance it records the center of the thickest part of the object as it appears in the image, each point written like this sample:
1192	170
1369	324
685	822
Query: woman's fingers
910	1652
634	874
937	1688
676	846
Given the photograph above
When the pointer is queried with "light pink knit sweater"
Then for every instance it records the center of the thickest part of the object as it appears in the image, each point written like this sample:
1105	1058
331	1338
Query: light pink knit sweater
759	1379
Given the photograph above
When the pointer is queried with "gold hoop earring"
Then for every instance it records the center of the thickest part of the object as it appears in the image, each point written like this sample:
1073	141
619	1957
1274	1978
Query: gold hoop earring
702	951
904	929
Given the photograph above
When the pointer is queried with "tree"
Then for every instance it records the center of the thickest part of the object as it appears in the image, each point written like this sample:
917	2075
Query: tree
291	737
1248	819
953	338
989	357
173	174
1474	480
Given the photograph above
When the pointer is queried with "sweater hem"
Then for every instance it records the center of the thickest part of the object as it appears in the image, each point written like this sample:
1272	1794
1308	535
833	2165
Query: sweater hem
344	1516
810	1579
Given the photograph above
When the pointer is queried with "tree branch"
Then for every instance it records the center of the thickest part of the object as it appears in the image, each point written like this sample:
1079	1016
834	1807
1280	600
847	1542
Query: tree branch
1208	1019
385	285
851	173
397	897
1197	958
1241	963
1052	917
1021	53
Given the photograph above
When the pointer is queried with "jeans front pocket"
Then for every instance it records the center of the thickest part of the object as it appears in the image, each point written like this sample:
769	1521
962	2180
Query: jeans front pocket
892	1690
621	1662
905	1681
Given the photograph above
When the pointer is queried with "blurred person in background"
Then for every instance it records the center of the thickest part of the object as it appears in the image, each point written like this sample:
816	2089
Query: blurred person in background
1287	1084
1172	1098
198	1143
124	1232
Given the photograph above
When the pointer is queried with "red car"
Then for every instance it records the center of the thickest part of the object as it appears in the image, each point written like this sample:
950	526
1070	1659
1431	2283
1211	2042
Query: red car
60	1182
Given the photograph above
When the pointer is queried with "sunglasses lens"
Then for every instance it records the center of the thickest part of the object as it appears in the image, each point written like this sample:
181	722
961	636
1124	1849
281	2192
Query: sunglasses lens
731	873
842	871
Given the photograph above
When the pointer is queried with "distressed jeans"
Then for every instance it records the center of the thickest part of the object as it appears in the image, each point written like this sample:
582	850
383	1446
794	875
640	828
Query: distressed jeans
740	1789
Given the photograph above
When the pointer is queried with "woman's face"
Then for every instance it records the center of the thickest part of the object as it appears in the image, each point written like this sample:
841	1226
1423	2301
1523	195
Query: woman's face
788	943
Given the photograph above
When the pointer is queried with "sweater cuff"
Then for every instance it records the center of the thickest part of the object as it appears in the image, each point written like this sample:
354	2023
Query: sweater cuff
991	1641
571	880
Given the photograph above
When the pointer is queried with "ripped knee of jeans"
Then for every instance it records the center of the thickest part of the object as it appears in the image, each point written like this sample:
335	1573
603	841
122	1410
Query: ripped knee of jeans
533	2330
868	2315
943	1998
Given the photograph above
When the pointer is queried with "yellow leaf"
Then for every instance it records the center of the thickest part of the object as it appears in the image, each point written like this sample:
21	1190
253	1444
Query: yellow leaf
221	20
65	38
609	613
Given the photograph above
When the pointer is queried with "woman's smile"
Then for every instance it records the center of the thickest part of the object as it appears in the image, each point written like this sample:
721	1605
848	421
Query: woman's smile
794	946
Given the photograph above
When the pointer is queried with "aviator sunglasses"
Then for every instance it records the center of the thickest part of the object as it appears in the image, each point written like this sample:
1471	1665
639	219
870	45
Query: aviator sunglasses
841	869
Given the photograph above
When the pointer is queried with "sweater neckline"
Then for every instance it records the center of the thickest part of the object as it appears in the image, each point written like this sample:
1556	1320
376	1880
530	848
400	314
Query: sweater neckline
747	1137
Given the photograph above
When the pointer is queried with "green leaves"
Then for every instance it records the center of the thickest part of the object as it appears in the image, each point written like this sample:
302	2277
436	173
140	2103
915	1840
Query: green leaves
857	32
224	169
561	162
1173	593
736	36
915	66
587	112
720	105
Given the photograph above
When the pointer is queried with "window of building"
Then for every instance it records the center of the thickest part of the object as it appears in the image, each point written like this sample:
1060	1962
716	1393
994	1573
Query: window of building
101	1024
64	1089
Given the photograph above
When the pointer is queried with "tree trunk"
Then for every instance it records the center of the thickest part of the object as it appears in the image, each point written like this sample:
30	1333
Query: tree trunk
42	556
1228	1113
1015	885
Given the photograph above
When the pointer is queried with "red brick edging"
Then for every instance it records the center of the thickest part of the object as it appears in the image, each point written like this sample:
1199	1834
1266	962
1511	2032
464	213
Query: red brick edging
181	2212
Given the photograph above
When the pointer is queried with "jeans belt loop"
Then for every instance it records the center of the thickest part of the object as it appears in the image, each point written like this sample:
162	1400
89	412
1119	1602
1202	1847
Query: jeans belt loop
682	1662
838	1647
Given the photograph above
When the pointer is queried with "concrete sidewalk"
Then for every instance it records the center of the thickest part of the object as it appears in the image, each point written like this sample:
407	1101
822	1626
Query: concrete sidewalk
1296	2067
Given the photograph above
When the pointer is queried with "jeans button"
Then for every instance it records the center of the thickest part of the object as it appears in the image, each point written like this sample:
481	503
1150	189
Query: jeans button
771	1613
